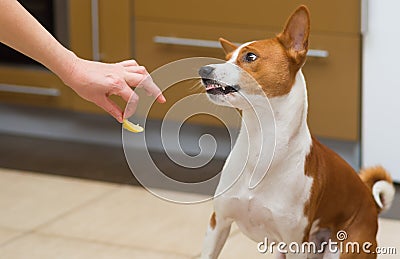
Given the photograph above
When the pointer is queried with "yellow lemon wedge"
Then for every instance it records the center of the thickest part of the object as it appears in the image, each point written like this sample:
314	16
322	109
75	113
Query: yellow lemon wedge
132	127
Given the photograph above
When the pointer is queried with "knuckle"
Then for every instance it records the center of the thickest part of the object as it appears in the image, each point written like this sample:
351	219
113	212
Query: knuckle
134	98
142	69
116	83
119	67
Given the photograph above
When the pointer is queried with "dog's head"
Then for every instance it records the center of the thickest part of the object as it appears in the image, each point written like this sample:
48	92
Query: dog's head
259	68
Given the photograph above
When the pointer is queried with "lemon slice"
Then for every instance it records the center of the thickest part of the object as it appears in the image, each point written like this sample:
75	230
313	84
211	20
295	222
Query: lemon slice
132	127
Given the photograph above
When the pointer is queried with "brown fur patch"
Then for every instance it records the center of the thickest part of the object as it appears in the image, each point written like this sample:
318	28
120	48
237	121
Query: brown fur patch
228	56
278	59
372	175
272	70
295	35
213	221
227	46
338	199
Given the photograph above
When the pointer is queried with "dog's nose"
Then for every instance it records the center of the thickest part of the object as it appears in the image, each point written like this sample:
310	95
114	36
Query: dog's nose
206	71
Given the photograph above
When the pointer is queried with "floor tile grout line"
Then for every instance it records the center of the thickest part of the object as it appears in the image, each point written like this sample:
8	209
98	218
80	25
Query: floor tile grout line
11	240
17	234
61	215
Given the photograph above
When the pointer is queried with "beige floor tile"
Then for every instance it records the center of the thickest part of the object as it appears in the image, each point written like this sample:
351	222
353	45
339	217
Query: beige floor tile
134	217
28	200
36	246
389	236
7	234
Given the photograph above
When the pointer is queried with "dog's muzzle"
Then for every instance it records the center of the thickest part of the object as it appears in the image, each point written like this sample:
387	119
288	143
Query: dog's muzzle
213	86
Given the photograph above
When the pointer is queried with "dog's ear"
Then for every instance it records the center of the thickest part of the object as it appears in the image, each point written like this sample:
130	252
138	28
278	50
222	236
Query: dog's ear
227	46
295	35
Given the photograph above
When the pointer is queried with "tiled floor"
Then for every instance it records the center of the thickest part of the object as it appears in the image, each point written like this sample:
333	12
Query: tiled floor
44	216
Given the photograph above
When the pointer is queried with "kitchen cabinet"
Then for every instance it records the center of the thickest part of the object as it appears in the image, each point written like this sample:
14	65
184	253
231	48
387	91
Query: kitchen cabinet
165	32
101	30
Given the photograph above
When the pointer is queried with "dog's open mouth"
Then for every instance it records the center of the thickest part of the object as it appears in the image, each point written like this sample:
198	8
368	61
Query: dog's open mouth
215	87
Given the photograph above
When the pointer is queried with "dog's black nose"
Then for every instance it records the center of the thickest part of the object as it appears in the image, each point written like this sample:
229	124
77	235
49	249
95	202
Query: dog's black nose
206	71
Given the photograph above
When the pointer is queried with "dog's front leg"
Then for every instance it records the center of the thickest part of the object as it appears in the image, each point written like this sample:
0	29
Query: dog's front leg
217	233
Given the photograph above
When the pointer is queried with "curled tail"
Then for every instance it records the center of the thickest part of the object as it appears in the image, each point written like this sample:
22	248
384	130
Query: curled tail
379	181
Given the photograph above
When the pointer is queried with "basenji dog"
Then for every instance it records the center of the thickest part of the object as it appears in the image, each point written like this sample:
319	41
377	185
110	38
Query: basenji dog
308	193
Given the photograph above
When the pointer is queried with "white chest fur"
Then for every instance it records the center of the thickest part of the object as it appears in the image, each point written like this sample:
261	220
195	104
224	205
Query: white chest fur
275	207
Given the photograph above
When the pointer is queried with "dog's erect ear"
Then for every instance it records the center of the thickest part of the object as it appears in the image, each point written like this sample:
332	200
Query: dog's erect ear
227	45
295	35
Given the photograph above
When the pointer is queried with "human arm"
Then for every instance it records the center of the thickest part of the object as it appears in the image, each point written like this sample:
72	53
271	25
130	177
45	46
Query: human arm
93	81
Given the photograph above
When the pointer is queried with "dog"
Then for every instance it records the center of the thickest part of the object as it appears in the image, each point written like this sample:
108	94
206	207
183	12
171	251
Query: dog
308	193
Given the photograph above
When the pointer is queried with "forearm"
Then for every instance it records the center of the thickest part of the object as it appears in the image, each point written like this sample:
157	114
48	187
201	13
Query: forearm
93	81
21	31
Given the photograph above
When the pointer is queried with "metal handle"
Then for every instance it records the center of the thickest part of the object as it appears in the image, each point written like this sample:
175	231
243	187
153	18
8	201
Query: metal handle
215	44
95	30
22	89
318	53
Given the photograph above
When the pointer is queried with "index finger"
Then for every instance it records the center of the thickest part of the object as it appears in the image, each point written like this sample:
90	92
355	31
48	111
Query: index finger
152	89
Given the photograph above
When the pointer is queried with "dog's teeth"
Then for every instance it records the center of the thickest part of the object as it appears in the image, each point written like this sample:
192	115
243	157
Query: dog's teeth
223	88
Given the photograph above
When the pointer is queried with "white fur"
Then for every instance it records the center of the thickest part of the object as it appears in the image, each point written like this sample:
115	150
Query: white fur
275	207
387	191
235	54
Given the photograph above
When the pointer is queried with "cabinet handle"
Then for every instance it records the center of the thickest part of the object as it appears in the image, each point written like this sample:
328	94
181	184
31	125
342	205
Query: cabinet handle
22	89
317	53
95	30
215	44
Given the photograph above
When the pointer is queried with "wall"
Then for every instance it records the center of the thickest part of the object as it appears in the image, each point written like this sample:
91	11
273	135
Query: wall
381	86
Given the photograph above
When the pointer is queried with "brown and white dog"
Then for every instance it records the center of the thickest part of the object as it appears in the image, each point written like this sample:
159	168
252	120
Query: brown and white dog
309	193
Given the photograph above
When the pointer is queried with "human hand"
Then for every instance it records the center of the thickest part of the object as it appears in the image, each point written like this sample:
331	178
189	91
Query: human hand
96	82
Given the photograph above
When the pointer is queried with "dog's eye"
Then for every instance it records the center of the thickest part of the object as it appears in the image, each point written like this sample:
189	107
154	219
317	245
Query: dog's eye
250	57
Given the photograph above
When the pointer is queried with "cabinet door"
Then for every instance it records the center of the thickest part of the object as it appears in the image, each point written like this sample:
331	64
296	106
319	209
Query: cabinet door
37	87
80	24
101	29
116	27
333	85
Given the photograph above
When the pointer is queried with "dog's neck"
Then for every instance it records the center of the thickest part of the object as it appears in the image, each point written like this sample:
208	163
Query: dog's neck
291	110
290	115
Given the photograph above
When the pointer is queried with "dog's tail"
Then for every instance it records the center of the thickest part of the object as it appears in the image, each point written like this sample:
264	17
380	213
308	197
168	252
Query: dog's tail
379	181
